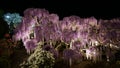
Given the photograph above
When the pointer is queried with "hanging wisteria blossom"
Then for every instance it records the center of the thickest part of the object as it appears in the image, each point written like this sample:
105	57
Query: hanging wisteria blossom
76	33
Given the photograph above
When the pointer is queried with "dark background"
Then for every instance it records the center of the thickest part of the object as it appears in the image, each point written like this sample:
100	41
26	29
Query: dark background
83	8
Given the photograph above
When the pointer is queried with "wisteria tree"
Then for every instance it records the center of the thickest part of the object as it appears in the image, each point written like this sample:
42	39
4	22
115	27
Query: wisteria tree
75	33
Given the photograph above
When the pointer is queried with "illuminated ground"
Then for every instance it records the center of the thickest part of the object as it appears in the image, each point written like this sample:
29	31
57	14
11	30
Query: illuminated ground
20	55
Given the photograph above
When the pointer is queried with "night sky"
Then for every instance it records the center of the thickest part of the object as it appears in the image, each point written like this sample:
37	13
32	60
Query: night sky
82	8
98	9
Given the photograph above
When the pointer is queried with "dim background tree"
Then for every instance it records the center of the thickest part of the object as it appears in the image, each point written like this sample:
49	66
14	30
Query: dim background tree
3	28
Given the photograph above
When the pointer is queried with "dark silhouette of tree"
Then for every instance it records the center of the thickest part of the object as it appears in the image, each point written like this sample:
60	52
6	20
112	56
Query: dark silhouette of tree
4	28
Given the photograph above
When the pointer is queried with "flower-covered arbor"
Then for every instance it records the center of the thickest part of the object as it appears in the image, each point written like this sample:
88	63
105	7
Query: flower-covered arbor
82	37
